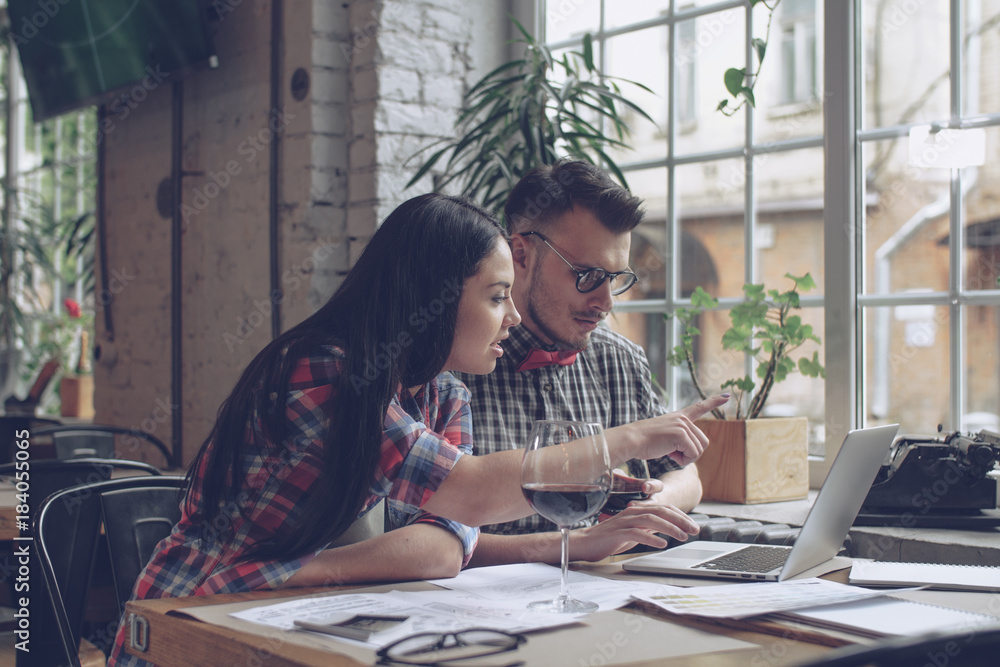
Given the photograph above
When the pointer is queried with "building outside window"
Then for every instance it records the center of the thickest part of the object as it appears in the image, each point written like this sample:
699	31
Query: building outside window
896	221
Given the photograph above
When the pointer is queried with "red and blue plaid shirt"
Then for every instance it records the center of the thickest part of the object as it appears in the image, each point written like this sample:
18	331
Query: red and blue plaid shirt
424	436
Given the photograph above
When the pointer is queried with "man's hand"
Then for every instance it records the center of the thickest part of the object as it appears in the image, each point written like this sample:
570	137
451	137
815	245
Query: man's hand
634	525
673	434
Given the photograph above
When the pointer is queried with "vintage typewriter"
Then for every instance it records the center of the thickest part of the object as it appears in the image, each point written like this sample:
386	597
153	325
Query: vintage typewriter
944	481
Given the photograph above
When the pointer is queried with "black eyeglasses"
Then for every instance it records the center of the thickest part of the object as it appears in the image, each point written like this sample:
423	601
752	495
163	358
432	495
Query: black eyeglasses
587	280
442	648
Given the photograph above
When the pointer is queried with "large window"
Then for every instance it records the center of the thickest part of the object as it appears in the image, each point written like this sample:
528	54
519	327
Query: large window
46	232
899	232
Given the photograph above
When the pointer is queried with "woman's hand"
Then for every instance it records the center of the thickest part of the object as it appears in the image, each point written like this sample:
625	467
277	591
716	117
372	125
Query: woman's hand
637	524
673	434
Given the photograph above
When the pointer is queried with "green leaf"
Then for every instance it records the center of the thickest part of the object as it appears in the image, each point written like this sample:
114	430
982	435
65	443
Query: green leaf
588	52
734	80
748	93
723	104
702	299
803	284
812	367
760	46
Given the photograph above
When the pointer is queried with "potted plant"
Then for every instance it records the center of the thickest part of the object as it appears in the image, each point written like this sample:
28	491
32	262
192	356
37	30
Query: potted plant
528	112
754	460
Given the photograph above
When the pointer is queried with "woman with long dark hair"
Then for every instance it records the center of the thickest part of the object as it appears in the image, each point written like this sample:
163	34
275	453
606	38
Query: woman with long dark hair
351	407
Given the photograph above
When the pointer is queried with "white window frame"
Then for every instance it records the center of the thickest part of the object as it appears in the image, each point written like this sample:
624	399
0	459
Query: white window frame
844	306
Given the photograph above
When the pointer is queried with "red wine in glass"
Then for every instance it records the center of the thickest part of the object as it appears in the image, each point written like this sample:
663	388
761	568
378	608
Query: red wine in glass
565	477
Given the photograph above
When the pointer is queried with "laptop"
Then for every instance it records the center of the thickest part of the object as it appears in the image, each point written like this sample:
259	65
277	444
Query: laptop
822	534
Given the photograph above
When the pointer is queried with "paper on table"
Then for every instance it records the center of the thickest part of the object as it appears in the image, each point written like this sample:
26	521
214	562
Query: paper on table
526	582
428	611
752	599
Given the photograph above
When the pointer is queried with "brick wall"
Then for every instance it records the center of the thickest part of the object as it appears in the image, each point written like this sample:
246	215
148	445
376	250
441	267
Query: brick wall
364	85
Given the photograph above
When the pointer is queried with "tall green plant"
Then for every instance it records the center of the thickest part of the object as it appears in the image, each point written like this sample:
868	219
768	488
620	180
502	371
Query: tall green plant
528	112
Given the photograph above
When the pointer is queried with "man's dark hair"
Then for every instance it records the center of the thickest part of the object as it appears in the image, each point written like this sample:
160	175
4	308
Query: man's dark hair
547	192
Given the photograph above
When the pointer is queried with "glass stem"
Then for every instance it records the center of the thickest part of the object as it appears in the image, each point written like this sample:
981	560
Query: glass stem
564	585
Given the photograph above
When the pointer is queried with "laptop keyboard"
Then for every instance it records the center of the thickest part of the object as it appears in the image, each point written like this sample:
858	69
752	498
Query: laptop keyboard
749	559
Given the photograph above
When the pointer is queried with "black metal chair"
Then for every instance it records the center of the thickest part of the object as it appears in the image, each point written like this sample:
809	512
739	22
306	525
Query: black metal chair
136	513
48	476
102	440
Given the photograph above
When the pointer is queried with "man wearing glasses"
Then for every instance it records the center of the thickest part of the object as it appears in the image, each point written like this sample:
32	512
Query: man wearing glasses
570	228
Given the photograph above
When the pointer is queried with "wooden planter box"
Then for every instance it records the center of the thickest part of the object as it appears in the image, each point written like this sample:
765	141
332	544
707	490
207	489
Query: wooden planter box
755	461
76	395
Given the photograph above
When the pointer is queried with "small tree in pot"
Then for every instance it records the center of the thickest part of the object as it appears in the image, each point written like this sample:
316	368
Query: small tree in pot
737	467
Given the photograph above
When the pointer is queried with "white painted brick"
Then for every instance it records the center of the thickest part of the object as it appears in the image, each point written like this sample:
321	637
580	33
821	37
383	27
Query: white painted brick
327	51
361	221
363	120
450	23
325	222
392	189
403	15
331	17
414	119
443	91
361	188
363	153
364	84
403	149
328	185
419	54
330	119
328	85
395	83
329	153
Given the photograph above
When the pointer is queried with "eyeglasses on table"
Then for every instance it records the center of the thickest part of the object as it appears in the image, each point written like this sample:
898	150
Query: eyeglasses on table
446	648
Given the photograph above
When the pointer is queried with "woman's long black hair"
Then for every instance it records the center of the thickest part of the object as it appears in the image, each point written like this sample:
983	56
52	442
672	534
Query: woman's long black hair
394	315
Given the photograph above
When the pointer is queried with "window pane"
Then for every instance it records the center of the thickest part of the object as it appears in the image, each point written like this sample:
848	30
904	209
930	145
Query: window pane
906	219
571	19
789	234
905	62
719	41
796	395
982	347
648	140
982	219
711	219
624	12
649	239
980	53
648	331
907	367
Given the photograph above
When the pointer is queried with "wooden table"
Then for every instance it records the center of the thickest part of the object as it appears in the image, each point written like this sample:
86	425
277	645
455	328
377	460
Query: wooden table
179	641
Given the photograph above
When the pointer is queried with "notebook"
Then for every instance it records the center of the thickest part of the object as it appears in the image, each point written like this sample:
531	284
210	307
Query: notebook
822	534
932	575
888	617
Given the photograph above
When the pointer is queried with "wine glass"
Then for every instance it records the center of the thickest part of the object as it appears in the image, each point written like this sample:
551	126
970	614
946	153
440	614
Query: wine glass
566	477
626	486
